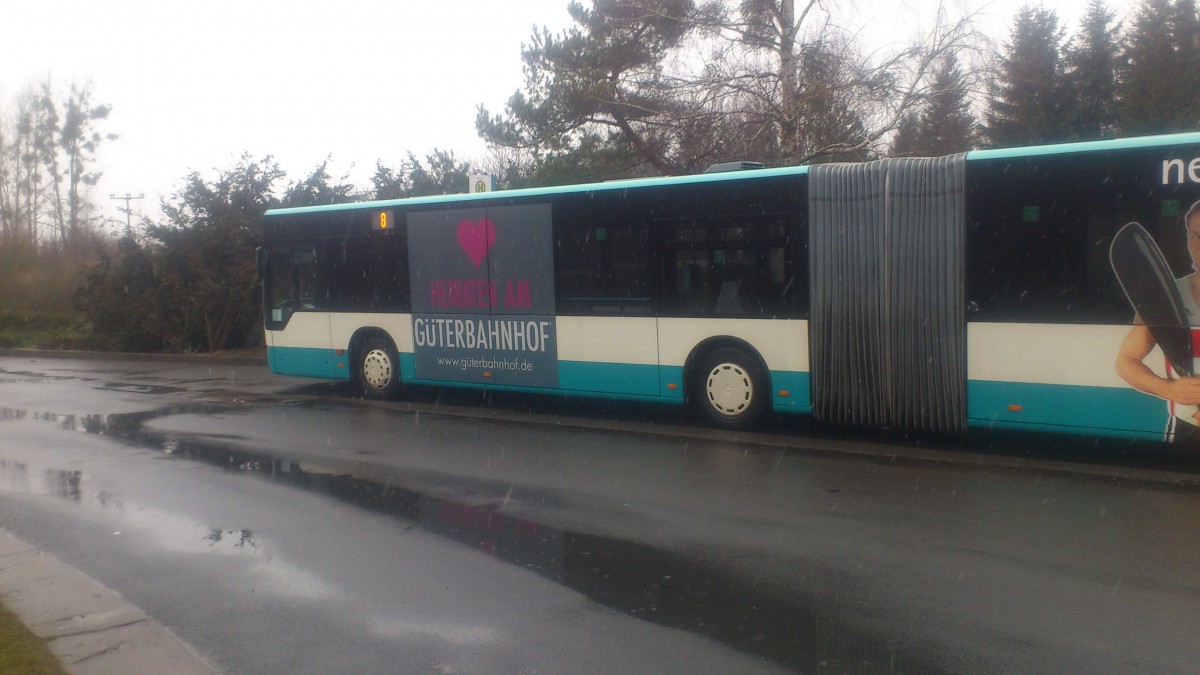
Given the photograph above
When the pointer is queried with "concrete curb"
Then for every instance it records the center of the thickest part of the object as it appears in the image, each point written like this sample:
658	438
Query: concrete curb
89	627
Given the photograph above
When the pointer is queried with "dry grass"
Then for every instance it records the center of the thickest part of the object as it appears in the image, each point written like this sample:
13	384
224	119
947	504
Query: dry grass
22	652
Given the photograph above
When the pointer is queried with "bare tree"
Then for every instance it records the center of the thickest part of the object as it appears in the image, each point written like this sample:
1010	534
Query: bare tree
822	95
47	227
685	85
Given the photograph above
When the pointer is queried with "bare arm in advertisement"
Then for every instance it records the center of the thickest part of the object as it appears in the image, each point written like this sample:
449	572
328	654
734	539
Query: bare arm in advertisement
1132	368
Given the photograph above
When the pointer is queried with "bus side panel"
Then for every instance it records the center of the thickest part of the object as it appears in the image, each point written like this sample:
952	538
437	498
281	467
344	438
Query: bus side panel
1048	314
617	355
782	343
303	349
397	326
1056	377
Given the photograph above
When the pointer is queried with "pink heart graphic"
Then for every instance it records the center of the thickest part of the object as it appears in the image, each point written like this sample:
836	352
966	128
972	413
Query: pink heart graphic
476	239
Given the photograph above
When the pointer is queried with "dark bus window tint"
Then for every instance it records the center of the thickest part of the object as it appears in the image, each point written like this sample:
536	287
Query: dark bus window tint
1034	266
733	267
732	249
1039	231
602	255
369	274
293	281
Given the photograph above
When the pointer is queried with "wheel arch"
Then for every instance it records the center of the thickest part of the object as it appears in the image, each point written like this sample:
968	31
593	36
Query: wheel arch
384	378
363	334
354	347
709	345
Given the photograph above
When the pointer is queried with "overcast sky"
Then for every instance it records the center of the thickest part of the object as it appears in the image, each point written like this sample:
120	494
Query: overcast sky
194	85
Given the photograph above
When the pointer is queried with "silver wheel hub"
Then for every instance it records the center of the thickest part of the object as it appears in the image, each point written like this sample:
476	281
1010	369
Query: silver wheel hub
729	389
377	369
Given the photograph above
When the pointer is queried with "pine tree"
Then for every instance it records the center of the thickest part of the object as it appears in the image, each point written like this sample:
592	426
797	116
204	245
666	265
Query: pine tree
908	142
944	125
1093	59
1160	86
1185	28
1026	95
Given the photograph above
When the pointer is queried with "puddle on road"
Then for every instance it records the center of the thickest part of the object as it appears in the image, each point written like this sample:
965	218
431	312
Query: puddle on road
118	425
652	584
152	389
20	477
182	534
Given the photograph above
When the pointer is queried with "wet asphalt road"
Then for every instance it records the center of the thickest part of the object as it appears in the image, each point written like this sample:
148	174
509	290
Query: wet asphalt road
281	526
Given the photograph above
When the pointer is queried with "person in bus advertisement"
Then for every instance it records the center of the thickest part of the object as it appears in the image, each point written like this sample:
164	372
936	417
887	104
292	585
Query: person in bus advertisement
1174	304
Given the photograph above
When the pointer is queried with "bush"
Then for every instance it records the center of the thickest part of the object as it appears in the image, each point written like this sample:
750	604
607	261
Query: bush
24	329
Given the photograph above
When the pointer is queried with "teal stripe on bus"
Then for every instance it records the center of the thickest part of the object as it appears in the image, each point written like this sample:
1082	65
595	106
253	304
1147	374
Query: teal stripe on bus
609	378
637	382
1104	411
799	391
998	153
1089	146
621	380
550	191
324	364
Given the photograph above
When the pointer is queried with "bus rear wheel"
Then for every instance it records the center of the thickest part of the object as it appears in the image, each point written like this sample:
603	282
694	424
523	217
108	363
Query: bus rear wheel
731	389
377	368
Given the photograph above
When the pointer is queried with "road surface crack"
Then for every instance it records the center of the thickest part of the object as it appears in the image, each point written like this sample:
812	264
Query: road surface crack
90	631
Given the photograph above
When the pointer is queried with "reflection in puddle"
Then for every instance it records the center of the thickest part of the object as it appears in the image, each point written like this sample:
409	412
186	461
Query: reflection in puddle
153	389
172	532
657	585
457	634
18	477
239	538
121	425
176	533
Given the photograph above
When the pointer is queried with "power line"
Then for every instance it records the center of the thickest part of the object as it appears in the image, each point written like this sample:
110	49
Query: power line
128	198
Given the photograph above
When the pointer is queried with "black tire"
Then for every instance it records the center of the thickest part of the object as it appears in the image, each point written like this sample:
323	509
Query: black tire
731	389
377	368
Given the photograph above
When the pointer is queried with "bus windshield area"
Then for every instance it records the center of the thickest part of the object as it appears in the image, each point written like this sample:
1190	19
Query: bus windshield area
291	281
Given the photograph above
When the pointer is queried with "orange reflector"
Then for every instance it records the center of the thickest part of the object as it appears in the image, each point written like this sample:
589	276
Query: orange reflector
486	374
339	352
341	365
1014	408
672	385
784	392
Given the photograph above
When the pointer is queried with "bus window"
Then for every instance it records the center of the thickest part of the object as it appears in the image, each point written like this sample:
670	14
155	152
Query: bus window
1038	232
729	268
602	264
369	274
291	282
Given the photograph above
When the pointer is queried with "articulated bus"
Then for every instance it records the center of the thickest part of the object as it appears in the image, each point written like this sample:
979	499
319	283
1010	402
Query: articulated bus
1042	288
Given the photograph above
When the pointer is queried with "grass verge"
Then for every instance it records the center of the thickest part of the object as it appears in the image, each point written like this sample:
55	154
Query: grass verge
22	651
35	330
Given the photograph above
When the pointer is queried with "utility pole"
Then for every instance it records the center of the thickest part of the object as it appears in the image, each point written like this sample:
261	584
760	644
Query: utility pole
128	198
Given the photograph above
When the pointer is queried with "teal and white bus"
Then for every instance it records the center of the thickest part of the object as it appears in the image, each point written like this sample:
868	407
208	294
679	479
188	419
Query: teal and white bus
923	294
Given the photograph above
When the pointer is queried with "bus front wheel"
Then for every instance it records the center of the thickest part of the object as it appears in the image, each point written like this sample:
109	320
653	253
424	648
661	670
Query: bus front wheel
731	389
377	368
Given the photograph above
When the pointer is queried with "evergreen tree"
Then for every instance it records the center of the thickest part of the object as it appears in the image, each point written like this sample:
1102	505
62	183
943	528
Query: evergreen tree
318	189
121	298
1093	58
907	141
944	125
1026	95
777	81
1160	87
79	142
206	287
604	73
442	174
